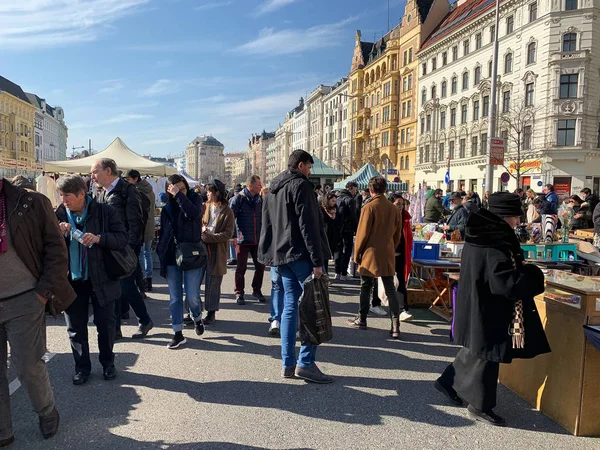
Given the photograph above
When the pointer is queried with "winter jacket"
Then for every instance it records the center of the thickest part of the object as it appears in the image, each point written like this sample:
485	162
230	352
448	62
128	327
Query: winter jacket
592	201
378	235
458	219
596	219
248	217
333	229
545	208
102	220
126	199
471	206
434	210
582	222
37	238
552	198
348	210
146	189
291	227
492	277
179	219
218	240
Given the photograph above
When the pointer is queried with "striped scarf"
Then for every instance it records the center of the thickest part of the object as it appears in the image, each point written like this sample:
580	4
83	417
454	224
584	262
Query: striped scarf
516	328
3	220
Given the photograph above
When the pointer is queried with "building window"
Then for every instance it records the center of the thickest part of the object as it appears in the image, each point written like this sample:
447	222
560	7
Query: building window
405	57
443	120
408	135
477	41
433	63
462	151
533	12
424	68
465	47
506	102
404	84
428	122
424	97
410	55
402	137
465	81
568	86
476	110
444	89
444	58
490	69
385	139
441	154
463	114
477	77
531	53
433	92
422	124
510	24
427	153
484	143
527	137
454	53
569	42
453	86
492	33
403	110
406	164
566	133
508	63
409	108
410	82
474	146
451	150
452	117
570	5
529	90
486	106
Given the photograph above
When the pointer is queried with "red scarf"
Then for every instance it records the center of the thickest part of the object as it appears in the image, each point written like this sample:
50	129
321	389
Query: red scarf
3	223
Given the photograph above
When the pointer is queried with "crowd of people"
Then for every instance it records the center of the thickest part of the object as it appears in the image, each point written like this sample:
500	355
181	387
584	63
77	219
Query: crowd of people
63	260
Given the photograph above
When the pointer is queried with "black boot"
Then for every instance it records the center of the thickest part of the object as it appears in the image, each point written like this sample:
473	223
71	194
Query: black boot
148	283
395	330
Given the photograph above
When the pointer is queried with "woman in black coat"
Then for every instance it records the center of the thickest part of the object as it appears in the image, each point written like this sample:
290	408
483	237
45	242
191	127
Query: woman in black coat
101	230
581	213
496	291
333	223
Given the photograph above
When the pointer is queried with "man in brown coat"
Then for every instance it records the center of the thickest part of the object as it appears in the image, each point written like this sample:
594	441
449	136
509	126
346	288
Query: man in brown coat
378	235
33	275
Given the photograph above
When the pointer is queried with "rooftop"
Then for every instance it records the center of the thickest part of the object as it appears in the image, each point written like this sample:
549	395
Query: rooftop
207	140
13	89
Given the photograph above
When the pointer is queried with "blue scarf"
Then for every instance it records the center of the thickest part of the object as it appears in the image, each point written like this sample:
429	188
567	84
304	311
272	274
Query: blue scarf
78	253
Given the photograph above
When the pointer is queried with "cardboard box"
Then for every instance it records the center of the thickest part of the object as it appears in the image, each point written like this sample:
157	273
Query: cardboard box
421	297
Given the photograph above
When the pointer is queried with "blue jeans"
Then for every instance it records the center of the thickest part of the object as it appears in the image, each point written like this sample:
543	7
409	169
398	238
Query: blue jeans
293	276
231	251
277	294
176	279
146	259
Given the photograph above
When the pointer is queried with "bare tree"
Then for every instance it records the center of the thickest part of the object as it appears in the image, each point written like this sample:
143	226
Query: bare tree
517	125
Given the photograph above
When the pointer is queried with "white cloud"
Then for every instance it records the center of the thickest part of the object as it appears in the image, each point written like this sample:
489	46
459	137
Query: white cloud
272	5
161	87
53	23
176	47
260	107
291	41
111	86
212	5
119	118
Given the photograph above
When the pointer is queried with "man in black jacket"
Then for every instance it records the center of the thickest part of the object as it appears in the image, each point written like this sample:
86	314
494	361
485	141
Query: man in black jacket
460	215
125	198
292	240
348	211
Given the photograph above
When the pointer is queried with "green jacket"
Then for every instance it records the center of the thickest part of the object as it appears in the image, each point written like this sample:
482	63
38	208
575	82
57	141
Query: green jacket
434	210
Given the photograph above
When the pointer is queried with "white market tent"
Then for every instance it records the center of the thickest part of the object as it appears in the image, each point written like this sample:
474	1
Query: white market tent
125	158
189	179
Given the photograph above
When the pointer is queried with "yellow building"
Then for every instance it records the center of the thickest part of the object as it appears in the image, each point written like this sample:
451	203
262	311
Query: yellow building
16	127
383	87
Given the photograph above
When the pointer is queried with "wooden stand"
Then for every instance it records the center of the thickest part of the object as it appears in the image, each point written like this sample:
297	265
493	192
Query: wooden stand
564	384
441	306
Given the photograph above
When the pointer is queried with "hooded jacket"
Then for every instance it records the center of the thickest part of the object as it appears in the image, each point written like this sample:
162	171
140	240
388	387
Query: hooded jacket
348	208
291	221
146	189
493	277
248	217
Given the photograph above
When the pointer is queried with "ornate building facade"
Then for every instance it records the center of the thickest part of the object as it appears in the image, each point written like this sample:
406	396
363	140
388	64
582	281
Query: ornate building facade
205	159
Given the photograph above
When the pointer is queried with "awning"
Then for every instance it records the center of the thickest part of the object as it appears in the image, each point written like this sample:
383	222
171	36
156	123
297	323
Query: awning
362	177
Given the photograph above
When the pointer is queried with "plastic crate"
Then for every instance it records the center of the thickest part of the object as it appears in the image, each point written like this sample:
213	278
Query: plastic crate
424	250
550	252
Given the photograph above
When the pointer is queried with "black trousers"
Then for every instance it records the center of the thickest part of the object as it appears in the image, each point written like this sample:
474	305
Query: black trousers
343	253
401	282
76	317
366	287
131	294
475	380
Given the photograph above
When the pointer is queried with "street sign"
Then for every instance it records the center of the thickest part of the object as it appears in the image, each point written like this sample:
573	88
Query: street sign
447	177
505	177
392	171
497	151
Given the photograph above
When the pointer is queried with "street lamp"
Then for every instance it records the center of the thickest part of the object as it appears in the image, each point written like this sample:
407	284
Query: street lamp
489	172
76	148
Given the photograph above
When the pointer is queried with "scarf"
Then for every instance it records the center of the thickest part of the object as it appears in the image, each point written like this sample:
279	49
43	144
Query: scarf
3	219
516	329
78	253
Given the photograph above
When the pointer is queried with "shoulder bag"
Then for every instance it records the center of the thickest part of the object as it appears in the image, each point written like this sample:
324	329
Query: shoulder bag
120	263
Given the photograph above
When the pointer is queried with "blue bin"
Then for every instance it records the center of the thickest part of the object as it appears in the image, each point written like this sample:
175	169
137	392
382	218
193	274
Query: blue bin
424	250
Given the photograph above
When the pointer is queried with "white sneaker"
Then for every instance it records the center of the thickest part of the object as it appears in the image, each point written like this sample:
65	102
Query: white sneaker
274	328
406	316
378	311
335	276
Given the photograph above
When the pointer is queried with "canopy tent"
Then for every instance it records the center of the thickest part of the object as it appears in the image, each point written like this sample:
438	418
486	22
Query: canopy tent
362	177
189	179
321	170
125	158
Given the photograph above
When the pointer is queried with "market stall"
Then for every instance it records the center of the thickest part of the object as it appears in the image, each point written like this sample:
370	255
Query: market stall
364	174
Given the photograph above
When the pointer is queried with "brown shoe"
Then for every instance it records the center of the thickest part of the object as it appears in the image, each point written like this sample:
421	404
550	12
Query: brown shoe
357	323
49	424
288	372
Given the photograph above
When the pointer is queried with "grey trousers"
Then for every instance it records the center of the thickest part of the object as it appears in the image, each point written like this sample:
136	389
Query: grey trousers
23	325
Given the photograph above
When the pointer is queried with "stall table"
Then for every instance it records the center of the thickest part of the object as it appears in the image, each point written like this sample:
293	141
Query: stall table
564	383
440	306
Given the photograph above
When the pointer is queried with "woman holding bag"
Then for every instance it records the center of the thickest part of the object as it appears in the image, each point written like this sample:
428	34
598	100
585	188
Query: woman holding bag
180	223
217	228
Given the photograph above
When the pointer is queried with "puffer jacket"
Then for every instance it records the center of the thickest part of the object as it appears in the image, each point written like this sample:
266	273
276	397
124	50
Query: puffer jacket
102	220
146	189
248	217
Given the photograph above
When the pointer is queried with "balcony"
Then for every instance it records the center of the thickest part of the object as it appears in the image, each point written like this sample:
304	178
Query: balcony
570	56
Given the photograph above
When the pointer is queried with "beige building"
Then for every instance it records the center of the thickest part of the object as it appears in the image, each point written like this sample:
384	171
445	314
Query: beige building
205	159
257	152
232	167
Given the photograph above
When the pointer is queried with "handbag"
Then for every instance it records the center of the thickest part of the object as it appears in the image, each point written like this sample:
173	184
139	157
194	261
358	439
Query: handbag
119	263
190	255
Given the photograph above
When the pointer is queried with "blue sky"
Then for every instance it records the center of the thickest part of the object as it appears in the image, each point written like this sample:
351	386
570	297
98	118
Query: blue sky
157	73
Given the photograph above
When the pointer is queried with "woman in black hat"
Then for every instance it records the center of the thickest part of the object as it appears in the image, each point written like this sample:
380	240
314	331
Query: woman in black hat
217	228
495	319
